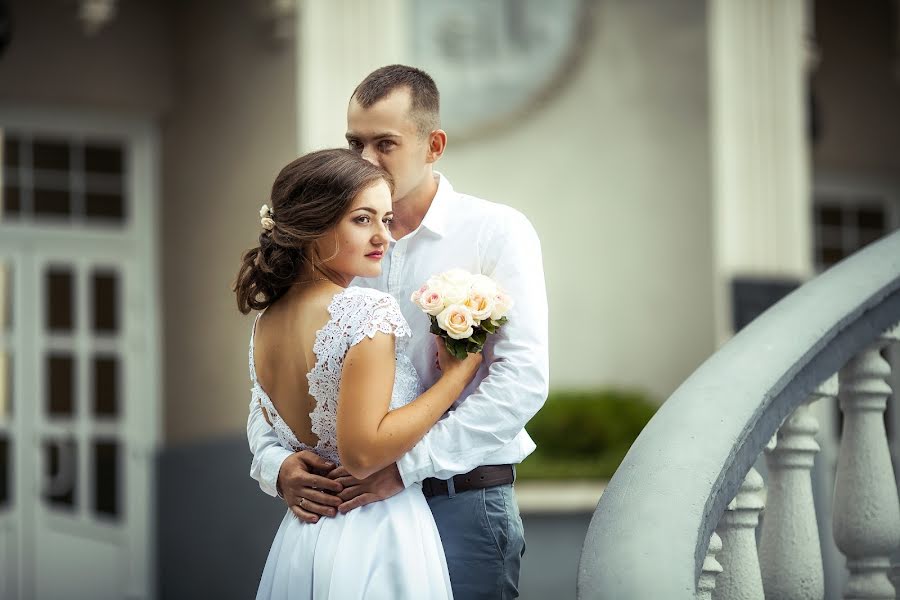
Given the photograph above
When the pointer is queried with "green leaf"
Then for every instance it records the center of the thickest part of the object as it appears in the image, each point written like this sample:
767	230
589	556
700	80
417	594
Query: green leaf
435	328
457	348
479	337
488	326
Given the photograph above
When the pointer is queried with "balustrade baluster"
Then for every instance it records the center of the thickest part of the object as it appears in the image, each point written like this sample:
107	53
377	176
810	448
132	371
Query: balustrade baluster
866	506
711	568
790	555
740	577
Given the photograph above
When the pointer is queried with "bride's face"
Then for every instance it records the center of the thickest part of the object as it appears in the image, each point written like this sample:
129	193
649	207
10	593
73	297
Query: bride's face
360	239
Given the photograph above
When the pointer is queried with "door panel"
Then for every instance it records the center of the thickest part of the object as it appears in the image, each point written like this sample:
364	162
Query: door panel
81	430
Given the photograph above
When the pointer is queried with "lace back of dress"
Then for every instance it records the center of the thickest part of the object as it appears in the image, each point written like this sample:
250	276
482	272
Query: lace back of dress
355	313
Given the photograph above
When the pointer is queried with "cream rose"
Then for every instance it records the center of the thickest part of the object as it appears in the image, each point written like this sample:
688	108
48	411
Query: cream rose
456	320
484	285
454	285
480	305
502	305
456	277
431	301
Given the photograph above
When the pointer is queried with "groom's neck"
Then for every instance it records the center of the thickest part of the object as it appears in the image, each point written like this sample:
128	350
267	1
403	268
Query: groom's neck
410	210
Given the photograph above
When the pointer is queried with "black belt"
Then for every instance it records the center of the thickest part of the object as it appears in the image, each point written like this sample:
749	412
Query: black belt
476	479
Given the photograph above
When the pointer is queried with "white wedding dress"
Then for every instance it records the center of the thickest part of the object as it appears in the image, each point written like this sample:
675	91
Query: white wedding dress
387	550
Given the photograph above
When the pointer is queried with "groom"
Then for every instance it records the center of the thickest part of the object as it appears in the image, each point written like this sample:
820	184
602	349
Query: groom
466	462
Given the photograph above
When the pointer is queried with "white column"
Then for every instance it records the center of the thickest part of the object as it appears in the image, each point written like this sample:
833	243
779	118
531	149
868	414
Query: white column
759	151
790	557
339	42
740	577
866	506
711	568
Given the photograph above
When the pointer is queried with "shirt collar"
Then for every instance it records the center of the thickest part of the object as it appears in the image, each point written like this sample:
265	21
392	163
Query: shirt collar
436	218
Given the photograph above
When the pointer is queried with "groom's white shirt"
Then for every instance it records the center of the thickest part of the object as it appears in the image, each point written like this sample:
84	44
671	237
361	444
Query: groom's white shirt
486	424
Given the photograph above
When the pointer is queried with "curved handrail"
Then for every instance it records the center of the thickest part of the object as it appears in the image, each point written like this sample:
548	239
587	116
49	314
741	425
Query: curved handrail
651	529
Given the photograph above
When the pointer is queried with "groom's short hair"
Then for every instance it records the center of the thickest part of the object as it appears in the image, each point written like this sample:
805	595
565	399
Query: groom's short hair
425	100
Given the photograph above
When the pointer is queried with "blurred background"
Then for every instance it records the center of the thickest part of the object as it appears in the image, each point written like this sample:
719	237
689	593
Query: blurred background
685	164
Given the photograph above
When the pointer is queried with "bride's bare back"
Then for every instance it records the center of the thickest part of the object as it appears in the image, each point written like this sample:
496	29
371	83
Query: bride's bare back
283	353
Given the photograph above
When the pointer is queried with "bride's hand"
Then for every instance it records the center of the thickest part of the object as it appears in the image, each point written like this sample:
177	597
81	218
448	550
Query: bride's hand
448	364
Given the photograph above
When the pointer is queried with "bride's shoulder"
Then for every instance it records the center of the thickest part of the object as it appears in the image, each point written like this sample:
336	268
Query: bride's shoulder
357	297
355	303
364	311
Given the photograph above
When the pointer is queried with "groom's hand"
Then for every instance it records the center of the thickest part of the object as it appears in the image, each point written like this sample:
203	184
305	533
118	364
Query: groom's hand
309	495
378	486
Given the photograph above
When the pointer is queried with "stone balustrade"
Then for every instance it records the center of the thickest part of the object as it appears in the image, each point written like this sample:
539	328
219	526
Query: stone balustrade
679	519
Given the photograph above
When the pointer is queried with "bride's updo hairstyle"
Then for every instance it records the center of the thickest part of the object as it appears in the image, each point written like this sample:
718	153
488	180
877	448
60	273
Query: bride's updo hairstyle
309	197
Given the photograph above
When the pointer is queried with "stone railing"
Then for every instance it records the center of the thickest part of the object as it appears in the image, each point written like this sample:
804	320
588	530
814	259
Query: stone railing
679	517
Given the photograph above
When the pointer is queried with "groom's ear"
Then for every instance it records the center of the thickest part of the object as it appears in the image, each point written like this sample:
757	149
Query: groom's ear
437	142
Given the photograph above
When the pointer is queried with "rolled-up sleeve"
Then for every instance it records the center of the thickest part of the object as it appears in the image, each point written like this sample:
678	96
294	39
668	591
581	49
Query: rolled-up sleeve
516	384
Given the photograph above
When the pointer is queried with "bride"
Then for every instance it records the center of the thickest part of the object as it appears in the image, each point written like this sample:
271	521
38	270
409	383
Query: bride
327	369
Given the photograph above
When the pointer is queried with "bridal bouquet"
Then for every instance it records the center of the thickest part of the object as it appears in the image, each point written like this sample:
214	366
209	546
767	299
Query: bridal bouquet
464	309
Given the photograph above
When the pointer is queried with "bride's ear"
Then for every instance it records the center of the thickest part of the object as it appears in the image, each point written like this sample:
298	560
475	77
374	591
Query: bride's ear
437	143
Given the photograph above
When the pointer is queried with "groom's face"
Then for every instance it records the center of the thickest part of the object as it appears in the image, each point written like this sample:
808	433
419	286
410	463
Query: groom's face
386	135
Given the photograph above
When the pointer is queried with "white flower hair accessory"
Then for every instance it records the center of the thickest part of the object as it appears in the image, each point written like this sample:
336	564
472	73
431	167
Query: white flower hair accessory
265	217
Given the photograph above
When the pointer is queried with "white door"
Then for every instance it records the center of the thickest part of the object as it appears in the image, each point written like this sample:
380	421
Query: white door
79	414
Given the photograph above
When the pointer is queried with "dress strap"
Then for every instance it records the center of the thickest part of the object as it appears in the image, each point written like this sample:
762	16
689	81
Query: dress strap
252	338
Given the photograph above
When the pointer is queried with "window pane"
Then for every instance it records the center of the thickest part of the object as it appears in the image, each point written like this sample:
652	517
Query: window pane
106	382
60	300
60	473
50	154
10	151
11	200
103	159
829	256
6	297
826	215
867	236
106	302
870	218
6	385
104	206
60	385
5	471
106	478
52	203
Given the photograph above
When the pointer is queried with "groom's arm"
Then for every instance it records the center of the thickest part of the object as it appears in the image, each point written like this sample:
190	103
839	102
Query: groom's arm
268	453
516	385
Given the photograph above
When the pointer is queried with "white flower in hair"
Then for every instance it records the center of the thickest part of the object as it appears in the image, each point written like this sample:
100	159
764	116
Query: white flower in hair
265	217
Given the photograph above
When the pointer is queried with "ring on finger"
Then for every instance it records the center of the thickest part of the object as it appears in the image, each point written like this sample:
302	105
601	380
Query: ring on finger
301	502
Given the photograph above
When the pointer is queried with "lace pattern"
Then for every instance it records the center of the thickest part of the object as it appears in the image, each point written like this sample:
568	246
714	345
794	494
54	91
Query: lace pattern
356	313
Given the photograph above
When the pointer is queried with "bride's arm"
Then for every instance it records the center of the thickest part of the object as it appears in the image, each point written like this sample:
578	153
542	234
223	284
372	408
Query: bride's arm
369	436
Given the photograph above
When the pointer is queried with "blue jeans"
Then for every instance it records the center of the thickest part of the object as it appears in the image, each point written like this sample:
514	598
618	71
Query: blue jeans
483	540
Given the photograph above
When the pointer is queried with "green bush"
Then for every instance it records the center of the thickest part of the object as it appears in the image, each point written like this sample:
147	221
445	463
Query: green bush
585	434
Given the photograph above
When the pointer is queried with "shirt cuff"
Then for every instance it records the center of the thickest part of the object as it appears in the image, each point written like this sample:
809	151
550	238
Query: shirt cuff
411	471
268	479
